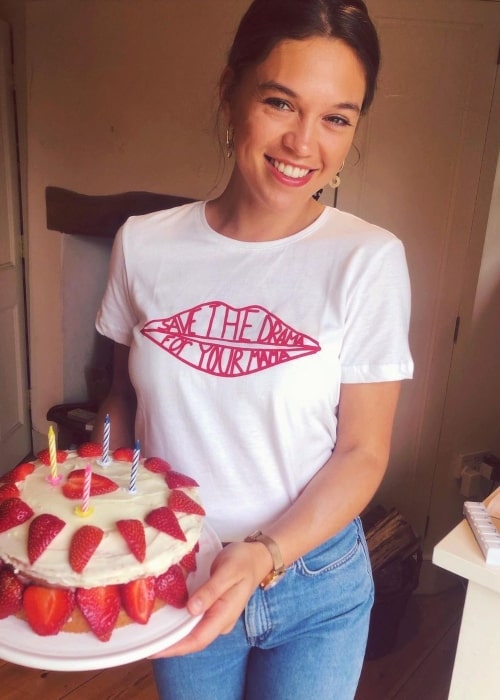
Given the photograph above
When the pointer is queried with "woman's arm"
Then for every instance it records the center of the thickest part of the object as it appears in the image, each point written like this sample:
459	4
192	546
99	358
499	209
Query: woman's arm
120	403
352	475
337	494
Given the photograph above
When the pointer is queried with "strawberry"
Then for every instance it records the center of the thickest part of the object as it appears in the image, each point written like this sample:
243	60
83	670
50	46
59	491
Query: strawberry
188	561
48	609
44	456
19	473
100	607
157	465
123	454
8	491
11	592
83	545
132	532
13	512
73	488
42	531
89	449
171	587
138	598
164	519
181	502
176	479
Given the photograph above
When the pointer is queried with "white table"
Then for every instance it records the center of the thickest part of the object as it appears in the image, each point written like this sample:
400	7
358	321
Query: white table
476	672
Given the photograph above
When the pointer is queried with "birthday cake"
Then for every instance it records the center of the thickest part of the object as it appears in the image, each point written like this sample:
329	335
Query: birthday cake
87	546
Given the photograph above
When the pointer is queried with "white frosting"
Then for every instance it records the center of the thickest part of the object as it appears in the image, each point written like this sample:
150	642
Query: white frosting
112	562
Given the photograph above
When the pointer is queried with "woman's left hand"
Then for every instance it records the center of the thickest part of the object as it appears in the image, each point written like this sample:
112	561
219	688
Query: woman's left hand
235	574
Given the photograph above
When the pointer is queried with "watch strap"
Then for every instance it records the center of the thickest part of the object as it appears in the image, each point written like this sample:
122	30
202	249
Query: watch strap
278	567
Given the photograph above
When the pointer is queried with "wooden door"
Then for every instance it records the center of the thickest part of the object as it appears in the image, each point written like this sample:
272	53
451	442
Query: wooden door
15	430
421	149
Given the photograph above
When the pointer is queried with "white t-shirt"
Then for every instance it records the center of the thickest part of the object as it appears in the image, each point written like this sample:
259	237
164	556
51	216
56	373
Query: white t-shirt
238	349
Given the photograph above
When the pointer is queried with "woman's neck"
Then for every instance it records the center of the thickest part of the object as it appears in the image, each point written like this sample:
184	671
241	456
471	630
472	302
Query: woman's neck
239	217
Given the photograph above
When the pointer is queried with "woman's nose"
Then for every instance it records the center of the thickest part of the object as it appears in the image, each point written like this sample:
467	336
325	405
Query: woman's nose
299	138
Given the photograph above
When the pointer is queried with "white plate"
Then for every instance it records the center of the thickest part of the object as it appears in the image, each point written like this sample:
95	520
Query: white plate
84	652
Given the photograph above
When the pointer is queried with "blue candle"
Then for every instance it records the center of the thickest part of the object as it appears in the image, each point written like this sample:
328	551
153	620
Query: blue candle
105	441
135	468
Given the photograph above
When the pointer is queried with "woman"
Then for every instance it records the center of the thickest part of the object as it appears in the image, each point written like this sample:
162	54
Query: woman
260	340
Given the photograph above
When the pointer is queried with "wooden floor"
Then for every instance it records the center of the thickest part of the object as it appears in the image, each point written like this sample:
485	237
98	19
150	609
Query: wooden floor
419	667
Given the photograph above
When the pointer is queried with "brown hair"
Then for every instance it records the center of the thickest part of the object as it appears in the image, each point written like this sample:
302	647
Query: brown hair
267	22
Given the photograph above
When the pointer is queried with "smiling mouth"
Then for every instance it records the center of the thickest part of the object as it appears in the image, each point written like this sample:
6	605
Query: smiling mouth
293	171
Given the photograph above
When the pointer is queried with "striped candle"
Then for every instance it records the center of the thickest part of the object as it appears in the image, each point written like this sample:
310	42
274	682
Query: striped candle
86	488
84	510
135	468
105	440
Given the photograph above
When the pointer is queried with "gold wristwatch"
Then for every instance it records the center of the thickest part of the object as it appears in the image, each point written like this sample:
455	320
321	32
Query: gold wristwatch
278	570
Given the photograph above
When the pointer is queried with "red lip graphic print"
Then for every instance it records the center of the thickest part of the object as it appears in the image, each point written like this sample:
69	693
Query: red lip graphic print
227	341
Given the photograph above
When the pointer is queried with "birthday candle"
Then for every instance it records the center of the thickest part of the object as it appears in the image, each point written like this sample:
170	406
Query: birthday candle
105	440
52	453
135	468
84	510
86	488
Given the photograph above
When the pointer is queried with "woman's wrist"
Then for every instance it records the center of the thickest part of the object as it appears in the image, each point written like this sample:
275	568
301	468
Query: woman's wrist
277	568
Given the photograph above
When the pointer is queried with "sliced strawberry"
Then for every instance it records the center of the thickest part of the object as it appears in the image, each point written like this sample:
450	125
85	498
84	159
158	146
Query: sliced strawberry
171	587
48	609
132	532
83	545
13	512
89	449
123	454
19	473
42	531
164	519
157	465
188	561
11	592
181	502
100	607
8	491
44	456
99	484
176	479
138	599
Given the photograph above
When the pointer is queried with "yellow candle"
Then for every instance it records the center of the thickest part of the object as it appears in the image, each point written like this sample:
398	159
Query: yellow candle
52	453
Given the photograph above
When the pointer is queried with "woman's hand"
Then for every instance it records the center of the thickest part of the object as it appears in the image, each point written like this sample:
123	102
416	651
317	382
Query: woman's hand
235	574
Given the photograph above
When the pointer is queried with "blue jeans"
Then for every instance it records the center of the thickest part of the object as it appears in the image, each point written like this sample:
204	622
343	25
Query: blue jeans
304	639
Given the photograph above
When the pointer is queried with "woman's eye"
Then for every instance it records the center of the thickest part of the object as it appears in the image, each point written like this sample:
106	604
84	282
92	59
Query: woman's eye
277	103
337	120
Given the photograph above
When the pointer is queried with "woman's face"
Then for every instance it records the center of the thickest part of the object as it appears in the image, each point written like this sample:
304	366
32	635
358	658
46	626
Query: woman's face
294	116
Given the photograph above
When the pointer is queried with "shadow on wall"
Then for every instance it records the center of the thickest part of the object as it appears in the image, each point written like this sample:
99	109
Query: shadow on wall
87	354
481	378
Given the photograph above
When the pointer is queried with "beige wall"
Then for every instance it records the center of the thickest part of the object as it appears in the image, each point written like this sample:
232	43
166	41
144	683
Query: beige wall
120	95
480	408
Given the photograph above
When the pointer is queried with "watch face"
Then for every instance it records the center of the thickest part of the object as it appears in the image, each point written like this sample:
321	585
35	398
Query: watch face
271	579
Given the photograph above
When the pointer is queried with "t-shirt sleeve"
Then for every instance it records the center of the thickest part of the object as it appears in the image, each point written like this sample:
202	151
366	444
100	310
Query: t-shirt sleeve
375	345
116	317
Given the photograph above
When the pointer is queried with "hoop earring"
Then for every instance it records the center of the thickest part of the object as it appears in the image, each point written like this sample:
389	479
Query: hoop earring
229	142
335	182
